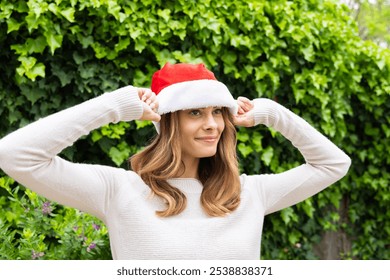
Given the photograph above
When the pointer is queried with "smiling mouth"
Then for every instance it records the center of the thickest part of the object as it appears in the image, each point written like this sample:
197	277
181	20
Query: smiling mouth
207	139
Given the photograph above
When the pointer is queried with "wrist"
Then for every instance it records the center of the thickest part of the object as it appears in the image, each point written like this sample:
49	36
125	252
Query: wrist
126	102
264	111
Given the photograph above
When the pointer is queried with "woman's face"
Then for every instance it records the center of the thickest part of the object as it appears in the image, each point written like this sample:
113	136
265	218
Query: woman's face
200	131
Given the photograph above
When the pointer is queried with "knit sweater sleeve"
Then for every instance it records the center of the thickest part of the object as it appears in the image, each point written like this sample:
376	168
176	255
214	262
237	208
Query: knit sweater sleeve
29	155
325	162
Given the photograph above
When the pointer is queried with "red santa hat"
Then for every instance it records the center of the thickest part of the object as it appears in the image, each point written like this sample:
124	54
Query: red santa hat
188	86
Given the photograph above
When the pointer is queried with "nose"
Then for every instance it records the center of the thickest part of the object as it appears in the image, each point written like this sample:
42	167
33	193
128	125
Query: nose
209	122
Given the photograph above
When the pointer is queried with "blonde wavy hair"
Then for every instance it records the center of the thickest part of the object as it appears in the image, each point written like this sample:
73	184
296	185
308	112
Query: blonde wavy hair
219	174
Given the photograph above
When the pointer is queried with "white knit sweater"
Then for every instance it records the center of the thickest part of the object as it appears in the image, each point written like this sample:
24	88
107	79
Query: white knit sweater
121	199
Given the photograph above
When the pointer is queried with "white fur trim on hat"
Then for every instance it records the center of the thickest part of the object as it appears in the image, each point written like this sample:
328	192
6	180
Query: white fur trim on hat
195	94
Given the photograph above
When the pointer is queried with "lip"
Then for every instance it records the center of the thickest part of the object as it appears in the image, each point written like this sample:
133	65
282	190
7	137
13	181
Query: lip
207	139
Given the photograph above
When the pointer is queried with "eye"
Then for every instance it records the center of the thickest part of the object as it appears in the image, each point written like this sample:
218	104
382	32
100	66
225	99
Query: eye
194	113
217	111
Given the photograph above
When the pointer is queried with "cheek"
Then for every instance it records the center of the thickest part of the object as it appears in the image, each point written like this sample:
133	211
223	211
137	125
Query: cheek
188	129
221	124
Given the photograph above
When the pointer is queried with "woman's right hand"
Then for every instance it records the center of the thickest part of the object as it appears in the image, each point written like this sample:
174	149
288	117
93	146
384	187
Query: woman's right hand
150	105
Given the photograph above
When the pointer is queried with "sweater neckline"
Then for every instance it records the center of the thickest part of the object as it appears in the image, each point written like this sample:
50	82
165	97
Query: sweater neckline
187	185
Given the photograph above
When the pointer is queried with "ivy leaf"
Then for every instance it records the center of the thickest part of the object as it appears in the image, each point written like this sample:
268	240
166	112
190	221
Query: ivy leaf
6	9
140	44
294	237
32	94
165	14
288	215
96	136
53	40
35	45
307	206
13	25
30	68
32	22
68	14
64	77
5	183
245	150
142	124
242	136
122	44
120	153
114	9
267	155
37	70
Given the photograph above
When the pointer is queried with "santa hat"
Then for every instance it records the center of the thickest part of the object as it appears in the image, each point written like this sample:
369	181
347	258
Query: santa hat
188	86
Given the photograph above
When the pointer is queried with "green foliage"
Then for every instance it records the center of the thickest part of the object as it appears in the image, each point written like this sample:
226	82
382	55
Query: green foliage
34	228
373	18
304	54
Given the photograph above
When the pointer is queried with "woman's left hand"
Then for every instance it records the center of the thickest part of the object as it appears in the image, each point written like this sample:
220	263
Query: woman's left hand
150	105
244	116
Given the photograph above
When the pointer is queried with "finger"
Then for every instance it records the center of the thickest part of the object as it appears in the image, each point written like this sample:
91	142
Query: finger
243	99
151	97
144	93
240	107
243	108
240	110
240	103
141	92
155	117
246	103
247	107
154	107
150	115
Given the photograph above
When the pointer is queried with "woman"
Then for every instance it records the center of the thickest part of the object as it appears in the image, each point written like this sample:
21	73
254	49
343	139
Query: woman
200	207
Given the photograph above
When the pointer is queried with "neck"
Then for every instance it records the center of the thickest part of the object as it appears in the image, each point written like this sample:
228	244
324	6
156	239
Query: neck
191	168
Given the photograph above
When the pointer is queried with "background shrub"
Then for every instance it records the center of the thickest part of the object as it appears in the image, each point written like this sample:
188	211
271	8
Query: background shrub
304	54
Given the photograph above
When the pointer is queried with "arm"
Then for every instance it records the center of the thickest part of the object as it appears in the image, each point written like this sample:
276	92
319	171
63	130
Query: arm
29	154
325	162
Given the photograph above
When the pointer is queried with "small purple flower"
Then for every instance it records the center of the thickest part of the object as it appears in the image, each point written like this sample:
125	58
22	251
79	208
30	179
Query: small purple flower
36	255
95	226
75	228
46	208
91	247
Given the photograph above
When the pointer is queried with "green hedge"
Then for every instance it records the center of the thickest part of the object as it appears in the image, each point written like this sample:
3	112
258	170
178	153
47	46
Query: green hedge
305	54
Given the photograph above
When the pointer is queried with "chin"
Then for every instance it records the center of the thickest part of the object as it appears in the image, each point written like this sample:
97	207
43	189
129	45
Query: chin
210	154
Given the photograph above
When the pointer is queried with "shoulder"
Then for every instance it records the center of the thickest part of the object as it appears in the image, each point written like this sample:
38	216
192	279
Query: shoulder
130	180
253	184
252	180
121	180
